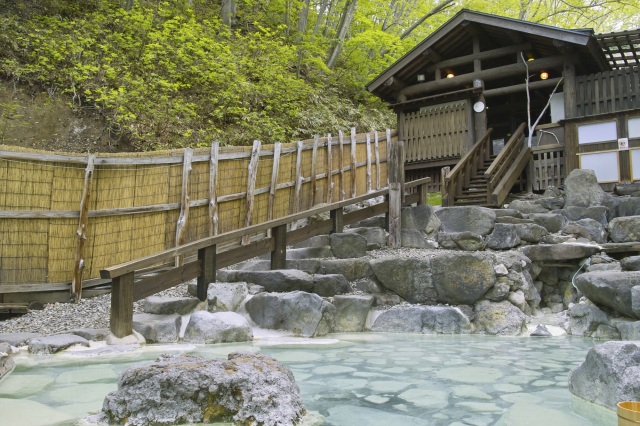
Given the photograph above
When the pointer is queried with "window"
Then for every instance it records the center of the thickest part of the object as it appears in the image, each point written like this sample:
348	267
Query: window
633	126
597	132
604	164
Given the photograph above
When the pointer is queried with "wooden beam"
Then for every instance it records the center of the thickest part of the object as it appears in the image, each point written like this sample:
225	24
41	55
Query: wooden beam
395	208
343	193
279	253
354	167
337	221
167	279
314	183
207	259
81	232
297	194
487	54
274	180
369	183
376	146
183	219
569	90
121	317
432	55
329	169
213	183
251	187
521	87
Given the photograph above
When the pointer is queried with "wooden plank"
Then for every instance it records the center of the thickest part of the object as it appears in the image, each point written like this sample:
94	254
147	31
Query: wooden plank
121	314
171	278
341	182
81	232
214	221
365	213
239	254
369	184
297	195
337	220
183	219
319	228
251	186
354	167
274	180
314	184
329	170
34	287
207	259
376	148
279	253
395	206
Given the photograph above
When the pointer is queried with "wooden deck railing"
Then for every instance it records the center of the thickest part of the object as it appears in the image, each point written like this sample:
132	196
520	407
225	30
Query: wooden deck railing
506	169
212	256
547	167
467	167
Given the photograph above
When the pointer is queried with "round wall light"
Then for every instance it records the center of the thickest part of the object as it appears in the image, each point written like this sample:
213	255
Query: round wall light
544	75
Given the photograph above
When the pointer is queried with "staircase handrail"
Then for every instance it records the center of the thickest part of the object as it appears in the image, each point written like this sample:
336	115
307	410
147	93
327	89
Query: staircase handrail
505	170
507	151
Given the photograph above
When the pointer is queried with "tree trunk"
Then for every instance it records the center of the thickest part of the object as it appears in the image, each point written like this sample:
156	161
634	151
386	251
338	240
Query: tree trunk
345	21
321	10
439	8
228	12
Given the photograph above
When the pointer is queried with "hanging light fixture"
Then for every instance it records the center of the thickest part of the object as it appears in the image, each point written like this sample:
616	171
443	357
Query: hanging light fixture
544	75
450	74
420	77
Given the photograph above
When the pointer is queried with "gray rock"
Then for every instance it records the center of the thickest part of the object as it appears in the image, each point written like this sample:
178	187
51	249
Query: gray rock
219	327
606	332
587	228
301	313
6	359
158	328
226	296
610	373
376	237
348	245
531	232
615	266
557	239
330	285
501	318
551	203
527	207
310	266
169	305
631	263
629	330
467	218
55	343
409	278
498	292
552	222
581	189
317	241
445	240
94	334
584	319
627	188
368	285
386	299
635	300
18	339
518	300
178	389
462	278
467	241
610	289
541	331
352	269
566	251
512	220
597	213
376	221
412	238
255	289
309	253
629	207
351	312
625	229
507	213
420	218
503	237
273	281
423	319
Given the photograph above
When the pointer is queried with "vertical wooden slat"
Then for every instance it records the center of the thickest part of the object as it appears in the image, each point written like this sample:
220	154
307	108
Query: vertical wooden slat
329	169
369	185
337	220
183	219
274	179
121	316
81	232
207	259
296	196
343	193
213	189
377	154
251	187
395	204
314	183
279	253
354	165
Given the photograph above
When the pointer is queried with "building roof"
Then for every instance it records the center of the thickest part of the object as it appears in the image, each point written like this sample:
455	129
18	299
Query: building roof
622	49
454	39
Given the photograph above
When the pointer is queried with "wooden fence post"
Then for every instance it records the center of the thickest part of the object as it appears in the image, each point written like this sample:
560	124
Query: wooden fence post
329	170
341	165
81	232
207	259
213	183
181	226
274	182
279	253
314	183
422	194
377	154
298	188
395	164
121	319
251	187
444	187
369	185
337	222
354	164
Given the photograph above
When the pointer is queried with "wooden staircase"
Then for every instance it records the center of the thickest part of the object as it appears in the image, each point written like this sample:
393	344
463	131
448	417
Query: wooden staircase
483	179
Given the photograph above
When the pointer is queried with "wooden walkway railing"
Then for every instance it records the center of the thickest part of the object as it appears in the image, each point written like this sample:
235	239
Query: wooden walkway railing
211	256
547	167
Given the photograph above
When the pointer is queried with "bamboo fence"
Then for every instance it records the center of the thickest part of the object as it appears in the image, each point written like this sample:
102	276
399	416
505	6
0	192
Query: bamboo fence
63	217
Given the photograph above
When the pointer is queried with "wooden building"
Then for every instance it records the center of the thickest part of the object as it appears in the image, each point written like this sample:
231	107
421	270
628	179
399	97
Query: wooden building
462	99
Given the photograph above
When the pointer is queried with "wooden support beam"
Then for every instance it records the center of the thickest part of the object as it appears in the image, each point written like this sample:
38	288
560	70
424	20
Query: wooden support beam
343	193
183	219
443	186
369	184
81	232
329	169
279	253
432	55
314	183
517	88
569	90
337	220
395	83
251	187
376	146
207	259
121	317
477	65
164	280
297	194
274	180
422	195
395	208
354	164
213	183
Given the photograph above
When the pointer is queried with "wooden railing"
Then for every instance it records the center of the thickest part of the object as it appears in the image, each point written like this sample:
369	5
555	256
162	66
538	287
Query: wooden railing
212	256
608	91
547	167
467	167
506	169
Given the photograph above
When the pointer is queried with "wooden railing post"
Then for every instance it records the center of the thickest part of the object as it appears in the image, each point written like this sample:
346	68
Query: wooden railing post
251	187
207	259
121	319
422	194
279	253
444	186
337	222
181	226
395	207
81	232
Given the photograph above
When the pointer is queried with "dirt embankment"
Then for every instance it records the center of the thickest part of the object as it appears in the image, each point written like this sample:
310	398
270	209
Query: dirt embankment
34	119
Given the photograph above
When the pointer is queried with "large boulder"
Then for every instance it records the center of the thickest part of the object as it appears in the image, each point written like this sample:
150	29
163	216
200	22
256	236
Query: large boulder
629	207
503	237
351	312
219	327
552	222
273	281
331	284
527	207
55	343
461	278
581	189
376	237
6	359
501	318
176	389
610	289
625	229
18	339
530	232
597	213
609	374
585	319
348	245
158	328
301	313
226	296
420	218
160	305
408	278
479	220
467	241
351	269
564	251
423	319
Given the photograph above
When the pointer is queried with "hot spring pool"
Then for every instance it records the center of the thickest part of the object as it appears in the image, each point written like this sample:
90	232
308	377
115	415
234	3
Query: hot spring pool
351	379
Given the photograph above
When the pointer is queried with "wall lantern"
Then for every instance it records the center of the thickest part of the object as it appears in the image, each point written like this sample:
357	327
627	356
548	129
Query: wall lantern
450	75
544	75
420	77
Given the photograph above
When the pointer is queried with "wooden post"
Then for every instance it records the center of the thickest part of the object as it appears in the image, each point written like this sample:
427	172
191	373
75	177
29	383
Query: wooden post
207	259
274	181
369	185
480	120
279	253
422	194
298	187
377	154
251	187
343	193
337	222
121	319
81	232
183	219
329	170
213	183
354	164
395	207
314	183
443	186
569	89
